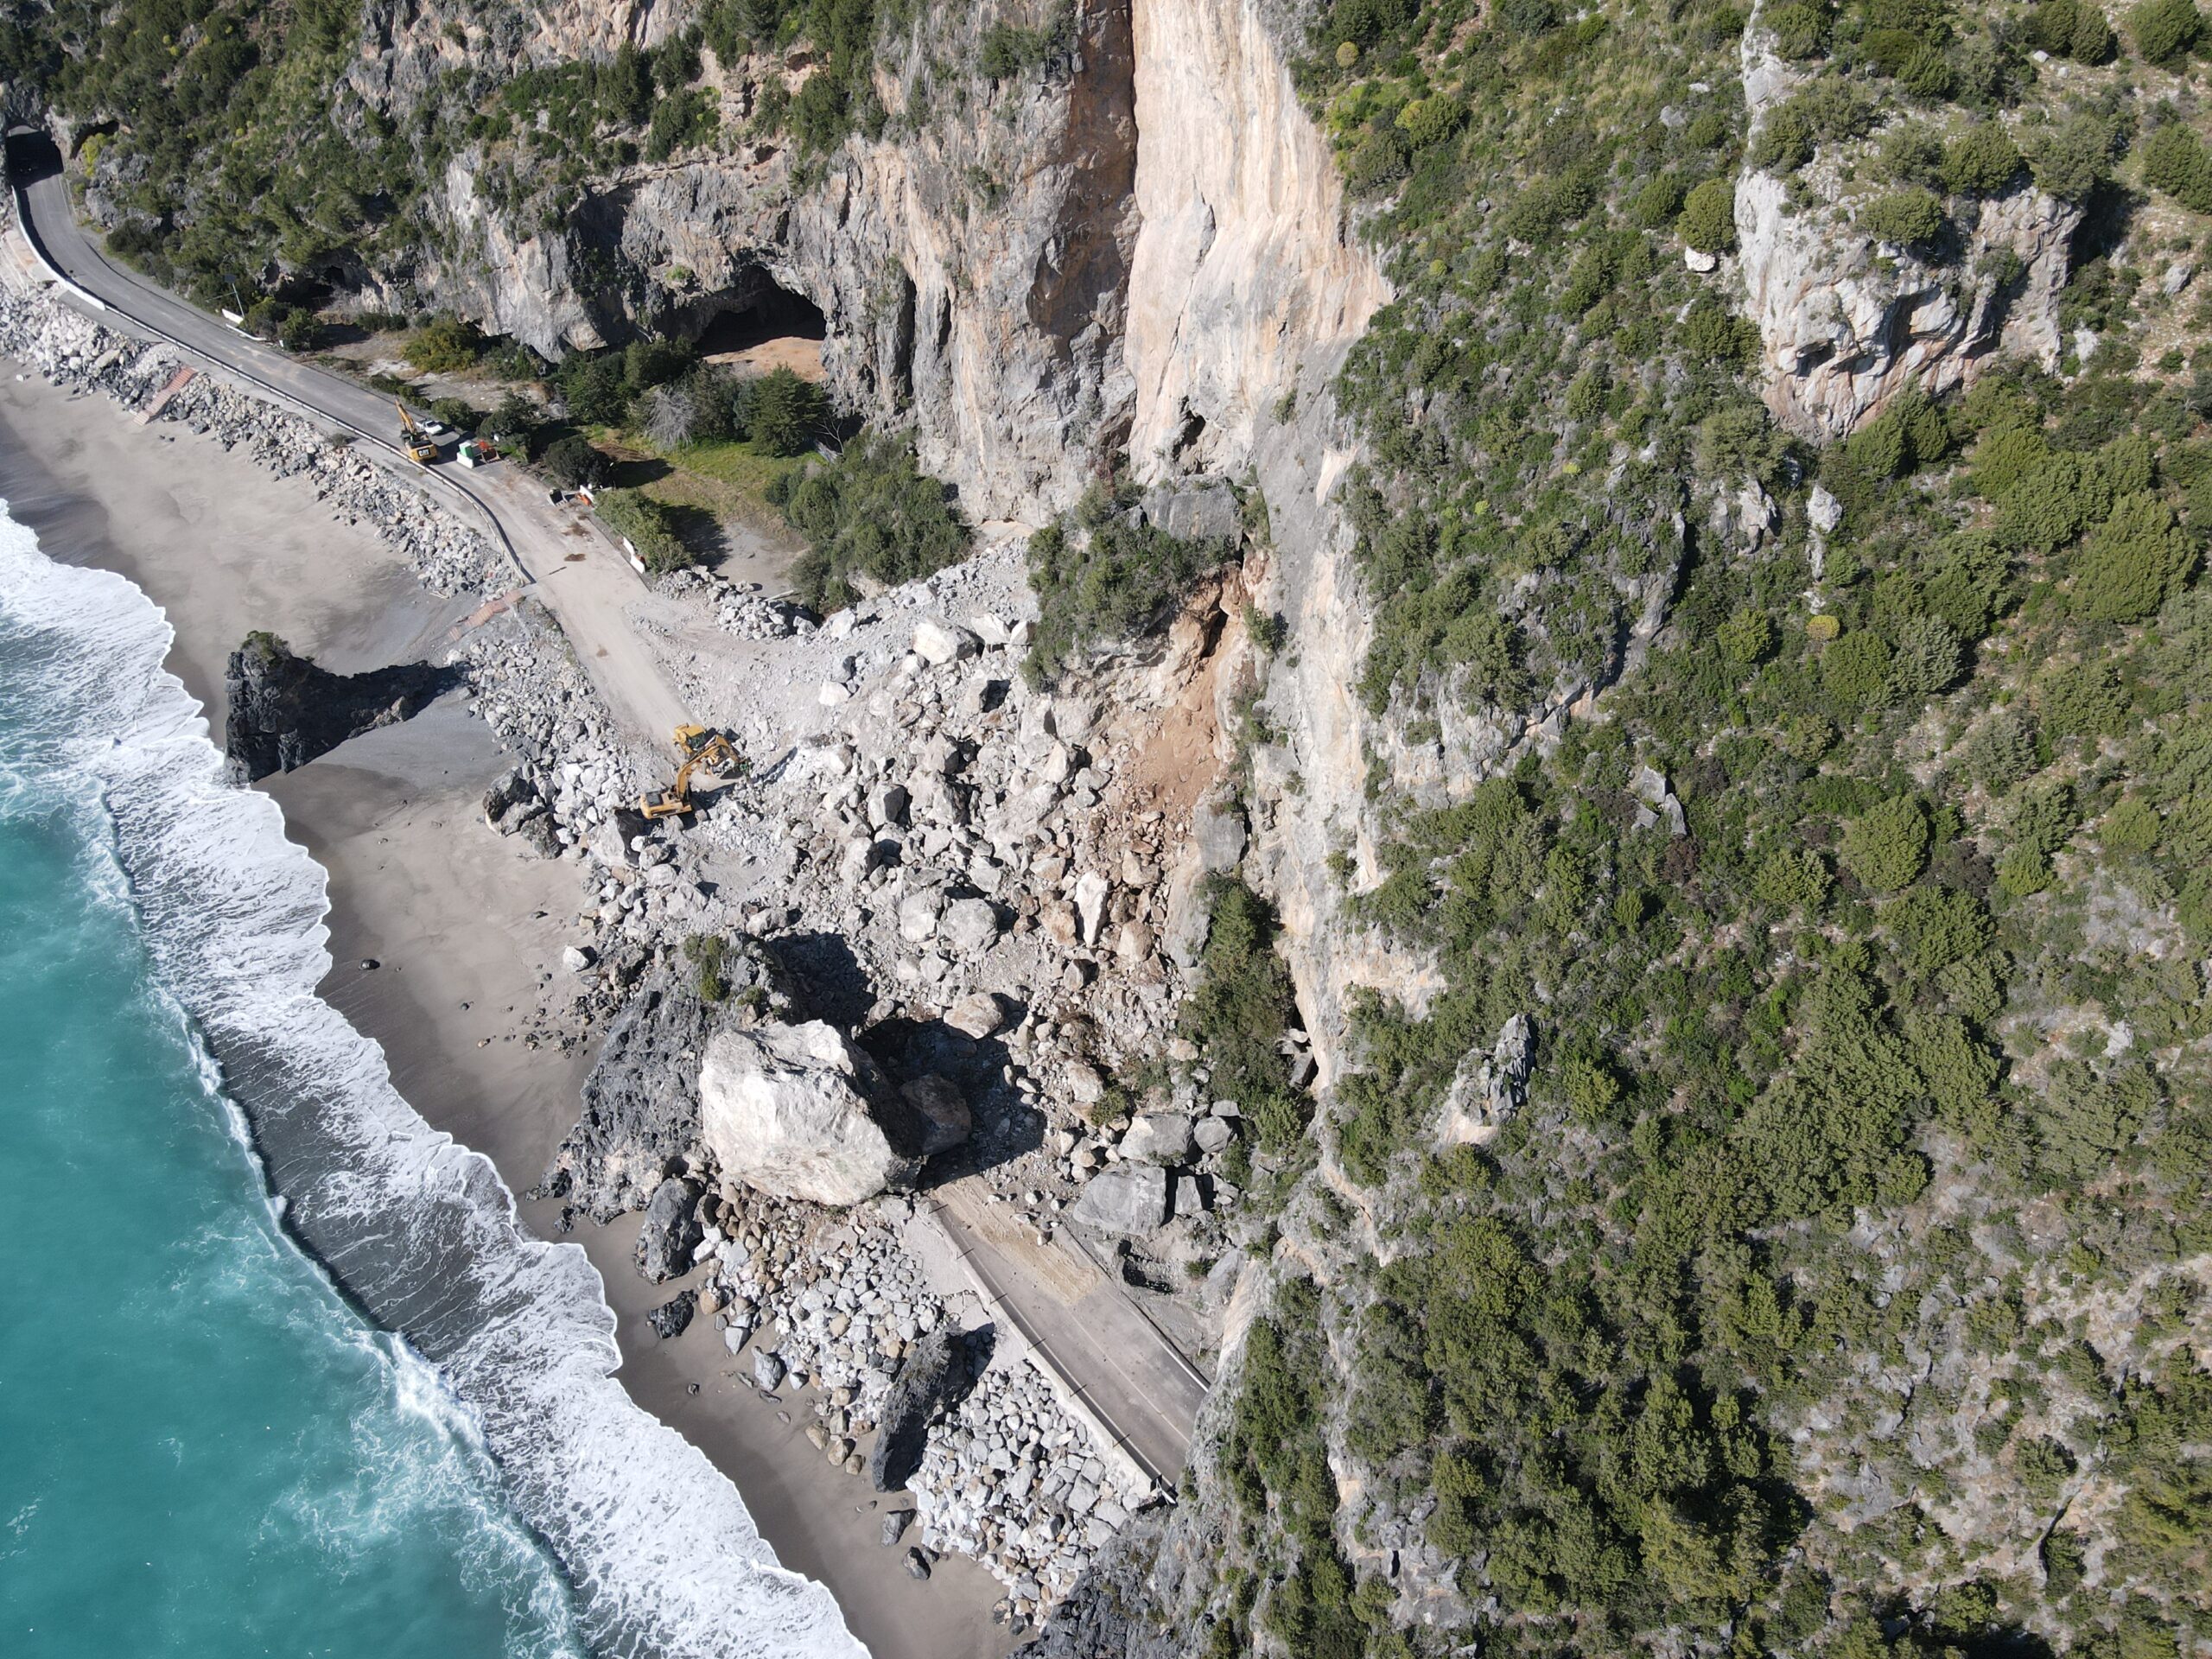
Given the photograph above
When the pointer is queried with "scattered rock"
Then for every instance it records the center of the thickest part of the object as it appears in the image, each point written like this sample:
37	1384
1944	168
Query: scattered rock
1159	1138
946	1122
938	642
1123	1200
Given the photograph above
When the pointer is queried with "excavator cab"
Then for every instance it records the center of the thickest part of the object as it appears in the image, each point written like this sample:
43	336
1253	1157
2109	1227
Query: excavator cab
421	447
704	750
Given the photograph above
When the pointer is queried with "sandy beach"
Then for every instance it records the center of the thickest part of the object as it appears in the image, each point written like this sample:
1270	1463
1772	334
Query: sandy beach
460	924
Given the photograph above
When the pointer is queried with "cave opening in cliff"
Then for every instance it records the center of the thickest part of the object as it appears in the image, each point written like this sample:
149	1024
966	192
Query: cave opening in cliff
775	328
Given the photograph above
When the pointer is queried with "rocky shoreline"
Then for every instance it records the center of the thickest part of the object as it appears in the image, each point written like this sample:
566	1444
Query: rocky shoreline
952	866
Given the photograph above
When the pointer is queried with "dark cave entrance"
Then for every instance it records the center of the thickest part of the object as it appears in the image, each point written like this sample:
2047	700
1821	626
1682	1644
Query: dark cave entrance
773	314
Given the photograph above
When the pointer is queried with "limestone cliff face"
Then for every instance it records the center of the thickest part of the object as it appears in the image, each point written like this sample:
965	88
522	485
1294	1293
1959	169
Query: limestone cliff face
1247	288
971	262
1848	321
1245	268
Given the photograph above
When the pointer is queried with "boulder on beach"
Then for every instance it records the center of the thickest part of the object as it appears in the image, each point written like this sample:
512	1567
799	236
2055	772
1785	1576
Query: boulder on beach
925	1375
671	1232
673	1317
792	1111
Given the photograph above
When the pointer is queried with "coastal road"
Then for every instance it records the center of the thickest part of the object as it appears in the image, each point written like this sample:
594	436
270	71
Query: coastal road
1136	1382
569	564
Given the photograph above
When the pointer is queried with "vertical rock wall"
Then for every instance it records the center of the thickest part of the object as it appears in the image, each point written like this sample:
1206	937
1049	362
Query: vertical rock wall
1245	266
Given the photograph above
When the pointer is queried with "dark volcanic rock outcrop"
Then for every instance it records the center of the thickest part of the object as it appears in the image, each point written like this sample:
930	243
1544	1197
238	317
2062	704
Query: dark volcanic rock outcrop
285	711
672	1232
641	1101
932	1367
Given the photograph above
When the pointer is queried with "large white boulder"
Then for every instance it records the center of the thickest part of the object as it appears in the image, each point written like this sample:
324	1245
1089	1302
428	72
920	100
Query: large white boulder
788	1110
1124	1199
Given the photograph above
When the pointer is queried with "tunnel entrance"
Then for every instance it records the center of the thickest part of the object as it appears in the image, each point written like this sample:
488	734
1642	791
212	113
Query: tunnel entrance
776	329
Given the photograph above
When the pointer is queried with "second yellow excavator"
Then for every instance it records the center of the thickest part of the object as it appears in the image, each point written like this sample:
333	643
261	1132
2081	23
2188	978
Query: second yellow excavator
414	440
704	750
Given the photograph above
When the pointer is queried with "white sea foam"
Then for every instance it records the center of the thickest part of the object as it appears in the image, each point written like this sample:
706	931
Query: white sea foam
662	1556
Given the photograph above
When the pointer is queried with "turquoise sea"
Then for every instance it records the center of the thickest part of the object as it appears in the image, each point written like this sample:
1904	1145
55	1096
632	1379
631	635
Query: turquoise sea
279	1371
208	1452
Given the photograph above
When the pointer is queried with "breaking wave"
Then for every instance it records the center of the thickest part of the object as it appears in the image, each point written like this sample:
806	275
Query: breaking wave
662	1560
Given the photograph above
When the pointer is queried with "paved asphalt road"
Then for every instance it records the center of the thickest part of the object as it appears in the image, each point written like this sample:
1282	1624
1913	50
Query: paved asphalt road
587	595
1135	1380
1132	1378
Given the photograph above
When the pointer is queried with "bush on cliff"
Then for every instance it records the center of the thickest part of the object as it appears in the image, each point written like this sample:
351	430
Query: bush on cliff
871	518
1107	582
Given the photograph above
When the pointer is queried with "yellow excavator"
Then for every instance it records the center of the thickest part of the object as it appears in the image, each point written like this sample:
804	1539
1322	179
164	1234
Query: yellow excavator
703	751
414	440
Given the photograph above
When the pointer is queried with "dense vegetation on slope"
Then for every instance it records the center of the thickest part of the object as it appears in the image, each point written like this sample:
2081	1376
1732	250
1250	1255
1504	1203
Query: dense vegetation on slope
246	143
1841	1284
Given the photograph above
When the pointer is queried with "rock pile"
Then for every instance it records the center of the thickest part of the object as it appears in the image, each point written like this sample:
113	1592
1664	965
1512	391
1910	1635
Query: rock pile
839	1313
75	351
741	608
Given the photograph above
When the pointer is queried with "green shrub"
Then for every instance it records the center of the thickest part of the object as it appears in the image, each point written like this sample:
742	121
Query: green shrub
1786	141
445	345
1547	205
2132	826
573	461
2164	30
2176	161
1708	216
1238	1012
1886	846
2082	699
785	415
1942	926
1747	637
2132	562
1427	122
872	515
709	954
647	524
1912	153
2071	159
1927	658
2071	29
2049	506
1118	581
1855	670
1529	16
1792	882
1984	162
682	121
1658	202
2003	752
1905	219
1801	31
